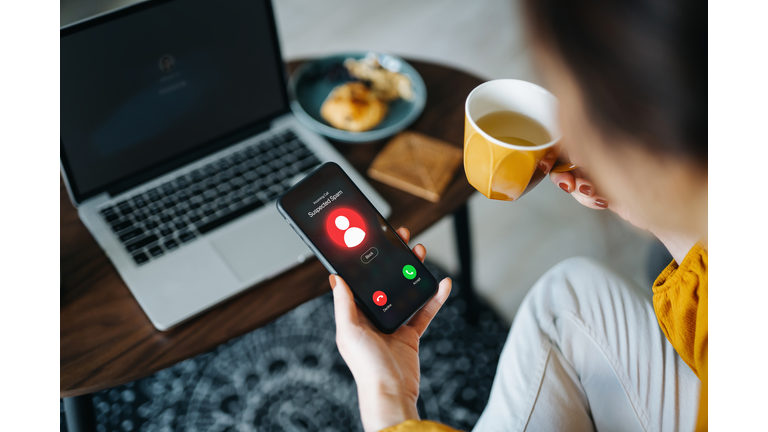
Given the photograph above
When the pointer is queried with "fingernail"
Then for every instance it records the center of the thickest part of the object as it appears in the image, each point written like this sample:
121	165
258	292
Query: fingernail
564	186
601	203
585	189
543	167
332	280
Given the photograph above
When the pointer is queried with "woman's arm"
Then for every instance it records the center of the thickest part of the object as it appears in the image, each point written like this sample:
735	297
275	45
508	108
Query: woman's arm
385	367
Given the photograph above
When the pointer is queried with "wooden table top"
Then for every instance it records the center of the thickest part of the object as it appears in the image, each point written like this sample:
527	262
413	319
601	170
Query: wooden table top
107	340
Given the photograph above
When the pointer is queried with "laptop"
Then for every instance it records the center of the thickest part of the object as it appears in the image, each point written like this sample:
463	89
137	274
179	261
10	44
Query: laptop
176	138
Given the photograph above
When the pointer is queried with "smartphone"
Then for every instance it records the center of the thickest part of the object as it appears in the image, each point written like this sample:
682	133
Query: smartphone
353	240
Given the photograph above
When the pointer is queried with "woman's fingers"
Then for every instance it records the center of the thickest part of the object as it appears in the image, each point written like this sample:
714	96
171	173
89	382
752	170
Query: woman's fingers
584	187
404	234
564	180
580	188
548	161
593	202
420	251
423	317
344	307
585	194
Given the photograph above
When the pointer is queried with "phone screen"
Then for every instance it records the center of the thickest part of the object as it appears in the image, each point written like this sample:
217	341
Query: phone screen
345	230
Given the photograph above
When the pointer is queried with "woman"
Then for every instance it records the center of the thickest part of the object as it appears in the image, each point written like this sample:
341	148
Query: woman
589	350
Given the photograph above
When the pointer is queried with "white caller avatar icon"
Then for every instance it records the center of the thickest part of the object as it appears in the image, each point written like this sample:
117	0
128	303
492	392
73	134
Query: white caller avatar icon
346	228
352	236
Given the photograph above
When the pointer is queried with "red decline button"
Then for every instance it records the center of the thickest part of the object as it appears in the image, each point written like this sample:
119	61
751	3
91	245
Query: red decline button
379	298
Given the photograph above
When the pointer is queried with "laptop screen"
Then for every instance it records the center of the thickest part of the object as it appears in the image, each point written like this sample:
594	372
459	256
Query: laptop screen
144	85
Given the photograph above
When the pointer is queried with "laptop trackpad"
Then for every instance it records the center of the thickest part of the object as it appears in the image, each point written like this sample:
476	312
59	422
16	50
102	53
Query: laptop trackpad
260	247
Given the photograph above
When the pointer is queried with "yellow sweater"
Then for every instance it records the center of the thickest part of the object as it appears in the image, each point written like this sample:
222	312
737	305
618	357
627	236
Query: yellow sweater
680	302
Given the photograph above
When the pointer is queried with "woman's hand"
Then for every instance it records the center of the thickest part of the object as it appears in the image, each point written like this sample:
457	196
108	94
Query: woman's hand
385	367
581	189
574	183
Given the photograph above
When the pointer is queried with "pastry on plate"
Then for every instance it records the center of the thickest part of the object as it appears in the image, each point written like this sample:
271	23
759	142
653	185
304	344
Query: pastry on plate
353	107
387	85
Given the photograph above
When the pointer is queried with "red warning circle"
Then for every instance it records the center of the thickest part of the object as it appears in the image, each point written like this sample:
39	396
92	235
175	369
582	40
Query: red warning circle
346	227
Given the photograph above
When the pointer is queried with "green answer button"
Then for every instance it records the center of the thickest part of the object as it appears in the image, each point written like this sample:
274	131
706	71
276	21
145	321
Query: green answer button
409	272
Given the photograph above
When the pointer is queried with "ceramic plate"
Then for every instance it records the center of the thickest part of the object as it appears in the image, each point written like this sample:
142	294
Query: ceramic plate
313	81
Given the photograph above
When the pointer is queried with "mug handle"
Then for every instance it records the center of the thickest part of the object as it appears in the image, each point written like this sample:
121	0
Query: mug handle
562	163
564	167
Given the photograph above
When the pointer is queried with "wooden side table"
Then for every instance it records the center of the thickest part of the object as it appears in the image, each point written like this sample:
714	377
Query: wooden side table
105	338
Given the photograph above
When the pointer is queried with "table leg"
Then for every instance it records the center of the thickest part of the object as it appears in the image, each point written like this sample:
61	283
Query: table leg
464	246
80	414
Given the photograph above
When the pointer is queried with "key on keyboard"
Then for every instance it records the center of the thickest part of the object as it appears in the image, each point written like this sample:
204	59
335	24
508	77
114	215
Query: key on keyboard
158	221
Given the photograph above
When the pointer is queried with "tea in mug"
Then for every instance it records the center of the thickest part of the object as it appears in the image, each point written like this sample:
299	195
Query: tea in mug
514	128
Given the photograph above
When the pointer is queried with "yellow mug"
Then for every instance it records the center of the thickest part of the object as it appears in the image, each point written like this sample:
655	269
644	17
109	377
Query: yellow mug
505	171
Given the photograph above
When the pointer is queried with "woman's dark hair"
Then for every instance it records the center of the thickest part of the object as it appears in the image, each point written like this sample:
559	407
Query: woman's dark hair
641	65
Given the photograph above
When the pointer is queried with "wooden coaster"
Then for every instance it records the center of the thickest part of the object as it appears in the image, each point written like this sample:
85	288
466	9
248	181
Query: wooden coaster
417	164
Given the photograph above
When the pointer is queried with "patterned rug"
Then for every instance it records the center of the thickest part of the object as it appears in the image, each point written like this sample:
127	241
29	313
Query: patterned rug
289	376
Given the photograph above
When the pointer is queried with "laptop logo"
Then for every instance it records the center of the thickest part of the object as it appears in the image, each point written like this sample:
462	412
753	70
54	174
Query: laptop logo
345	227
166	63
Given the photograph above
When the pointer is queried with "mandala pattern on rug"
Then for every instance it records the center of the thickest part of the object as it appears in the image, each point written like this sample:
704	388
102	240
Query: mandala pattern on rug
289	376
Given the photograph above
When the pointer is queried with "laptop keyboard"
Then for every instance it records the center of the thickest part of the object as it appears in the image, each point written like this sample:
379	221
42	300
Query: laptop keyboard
160	220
